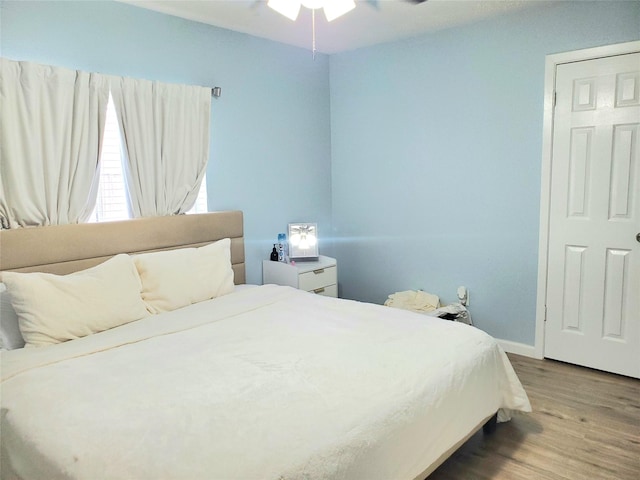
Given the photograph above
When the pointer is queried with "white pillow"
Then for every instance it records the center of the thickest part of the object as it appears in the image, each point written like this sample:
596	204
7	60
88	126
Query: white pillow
176	278
56	308
10	336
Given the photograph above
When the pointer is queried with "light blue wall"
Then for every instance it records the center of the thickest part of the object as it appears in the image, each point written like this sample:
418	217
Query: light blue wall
270	135
422	157
436	156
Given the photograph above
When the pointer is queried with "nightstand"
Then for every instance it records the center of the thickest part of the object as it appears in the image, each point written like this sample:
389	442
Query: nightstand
317	276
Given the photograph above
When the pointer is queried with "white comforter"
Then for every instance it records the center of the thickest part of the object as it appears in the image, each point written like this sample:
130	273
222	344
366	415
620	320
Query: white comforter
265	383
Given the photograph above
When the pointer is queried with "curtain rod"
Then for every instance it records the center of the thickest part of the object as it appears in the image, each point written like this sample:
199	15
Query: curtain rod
216	91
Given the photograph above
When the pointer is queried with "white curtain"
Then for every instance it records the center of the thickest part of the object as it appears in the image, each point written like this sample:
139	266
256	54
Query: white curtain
165	131
51	123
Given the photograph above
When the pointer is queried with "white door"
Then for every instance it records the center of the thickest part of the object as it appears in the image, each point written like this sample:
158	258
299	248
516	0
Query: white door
593	270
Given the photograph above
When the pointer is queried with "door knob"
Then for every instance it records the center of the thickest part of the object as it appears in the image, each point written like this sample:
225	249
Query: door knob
638	237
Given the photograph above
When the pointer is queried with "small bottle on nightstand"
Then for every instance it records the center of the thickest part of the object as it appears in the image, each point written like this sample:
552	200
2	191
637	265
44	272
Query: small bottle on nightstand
274	254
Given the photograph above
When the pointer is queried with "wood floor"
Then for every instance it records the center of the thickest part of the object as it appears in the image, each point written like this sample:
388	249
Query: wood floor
585	425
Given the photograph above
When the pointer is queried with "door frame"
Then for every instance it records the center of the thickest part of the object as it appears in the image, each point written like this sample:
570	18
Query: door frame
551	63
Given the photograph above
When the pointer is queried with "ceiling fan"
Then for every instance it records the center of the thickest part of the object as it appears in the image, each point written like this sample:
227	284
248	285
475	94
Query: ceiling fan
332	8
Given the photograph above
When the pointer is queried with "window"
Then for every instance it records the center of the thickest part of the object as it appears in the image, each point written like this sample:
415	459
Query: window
201	201
111	203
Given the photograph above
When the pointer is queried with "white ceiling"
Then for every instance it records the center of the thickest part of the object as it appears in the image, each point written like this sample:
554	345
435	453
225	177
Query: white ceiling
370	23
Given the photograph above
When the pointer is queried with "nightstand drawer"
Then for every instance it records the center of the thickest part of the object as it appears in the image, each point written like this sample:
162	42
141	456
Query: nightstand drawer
328	291
315	279
319	276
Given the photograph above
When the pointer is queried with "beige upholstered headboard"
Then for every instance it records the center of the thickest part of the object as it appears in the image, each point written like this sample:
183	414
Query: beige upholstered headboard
65	249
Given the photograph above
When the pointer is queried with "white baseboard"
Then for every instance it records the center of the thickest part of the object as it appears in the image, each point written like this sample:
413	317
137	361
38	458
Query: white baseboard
517	348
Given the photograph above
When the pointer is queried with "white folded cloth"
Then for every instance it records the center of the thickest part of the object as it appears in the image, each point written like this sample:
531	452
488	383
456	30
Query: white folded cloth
418	301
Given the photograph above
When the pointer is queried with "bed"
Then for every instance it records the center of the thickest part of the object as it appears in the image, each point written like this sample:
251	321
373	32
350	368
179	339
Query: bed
257	382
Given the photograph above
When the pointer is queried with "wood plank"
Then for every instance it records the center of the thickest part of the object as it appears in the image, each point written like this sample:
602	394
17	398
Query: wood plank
585	424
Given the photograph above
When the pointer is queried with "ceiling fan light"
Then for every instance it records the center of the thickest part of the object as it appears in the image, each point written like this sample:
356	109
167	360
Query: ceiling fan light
336	8
288	8
313	4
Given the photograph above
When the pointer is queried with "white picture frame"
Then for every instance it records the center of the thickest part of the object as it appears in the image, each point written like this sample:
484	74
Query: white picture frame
303	240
